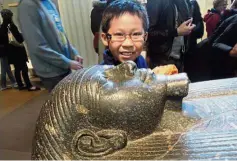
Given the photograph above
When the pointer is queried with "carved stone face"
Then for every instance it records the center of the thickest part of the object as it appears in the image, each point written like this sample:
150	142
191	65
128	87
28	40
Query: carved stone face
96	111
130	99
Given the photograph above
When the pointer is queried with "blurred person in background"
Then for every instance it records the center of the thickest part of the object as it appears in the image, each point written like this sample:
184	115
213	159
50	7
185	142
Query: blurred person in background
96	17
224	49
4	46
192	59
170	24
213	16
18	57
229	12
52	55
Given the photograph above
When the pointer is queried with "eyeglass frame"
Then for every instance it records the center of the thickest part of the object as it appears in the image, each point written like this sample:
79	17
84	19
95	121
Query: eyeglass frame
109	36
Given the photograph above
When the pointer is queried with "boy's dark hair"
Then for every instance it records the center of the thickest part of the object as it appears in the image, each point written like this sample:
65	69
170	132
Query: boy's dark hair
110	1
120	7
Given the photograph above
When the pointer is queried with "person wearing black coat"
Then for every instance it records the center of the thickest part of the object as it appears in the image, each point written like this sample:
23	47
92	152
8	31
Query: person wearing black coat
5	67
228	12
191	56
18	57
213	59
198	31
17	54
224	64
169	19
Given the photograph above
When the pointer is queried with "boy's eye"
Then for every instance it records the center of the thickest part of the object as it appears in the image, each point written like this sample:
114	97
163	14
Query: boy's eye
118	34
137	34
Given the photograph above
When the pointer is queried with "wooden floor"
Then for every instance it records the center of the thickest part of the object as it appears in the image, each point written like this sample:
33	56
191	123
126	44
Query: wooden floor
11	99
19	111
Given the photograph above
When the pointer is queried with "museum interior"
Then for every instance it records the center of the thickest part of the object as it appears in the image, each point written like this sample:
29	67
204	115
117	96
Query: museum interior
118	79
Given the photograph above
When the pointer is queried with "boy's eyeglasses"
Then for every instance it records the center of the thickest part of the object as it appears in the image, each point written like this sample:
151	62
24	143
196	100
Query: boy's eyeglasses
120	37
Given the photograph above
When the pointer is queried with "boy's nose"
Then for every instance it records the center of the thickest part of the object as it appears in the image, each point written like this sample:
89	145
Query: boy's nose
128	41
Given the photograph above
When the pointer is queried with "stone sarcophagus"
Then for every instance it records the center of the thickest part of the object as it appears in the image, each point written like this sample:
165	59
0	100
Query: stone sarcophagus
100	112
125	113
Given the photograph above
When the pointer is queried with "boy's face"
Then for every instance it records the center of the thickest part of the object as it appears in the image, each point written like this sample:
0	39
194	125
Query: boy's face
130	47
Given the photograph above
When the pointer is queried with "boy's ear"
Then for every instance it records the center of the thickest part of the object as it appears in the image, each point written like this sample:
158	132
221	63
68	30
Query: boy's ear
104	39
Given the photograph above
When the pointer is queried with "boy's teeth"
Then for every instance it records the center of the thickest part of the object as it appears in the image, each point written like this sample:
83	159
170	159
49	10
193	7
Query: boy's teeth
127	54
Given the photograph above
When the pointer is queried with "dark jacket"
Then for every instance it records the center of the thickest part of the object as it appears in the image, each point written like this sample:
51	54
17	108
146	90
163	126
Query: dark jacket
162	29
226	14
211	60
193	60
226	41
17	54
225	65
109	60
218	32
198	31
4	39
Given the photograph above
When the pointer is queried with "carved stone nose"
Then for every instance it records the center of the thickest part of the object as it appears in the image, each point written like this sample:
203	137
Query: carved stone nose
122	72
129	67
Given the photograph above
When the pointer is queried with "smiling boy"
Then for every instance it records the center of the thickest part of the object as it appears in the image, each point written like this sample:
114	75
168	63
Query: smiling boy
124	32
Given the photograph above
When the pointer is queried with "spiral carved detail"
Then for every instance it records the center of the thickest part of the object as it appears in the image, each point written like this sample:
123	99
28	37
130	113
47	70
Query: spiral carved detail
89	144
